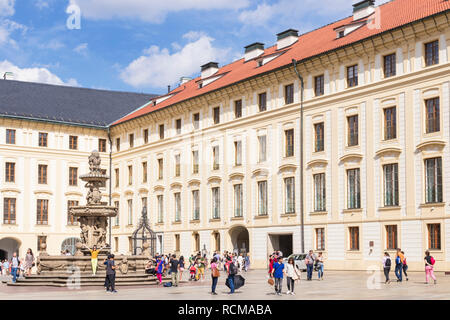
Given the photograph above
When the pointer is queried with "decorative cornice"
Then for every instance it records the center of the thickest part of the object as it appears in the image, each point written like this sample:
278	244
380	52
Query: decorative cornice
317	162
15	190
143	190
43	192
388	150
193	182
287	167
260	172
73	193
236	176
431	143
351	156
176	185
214	179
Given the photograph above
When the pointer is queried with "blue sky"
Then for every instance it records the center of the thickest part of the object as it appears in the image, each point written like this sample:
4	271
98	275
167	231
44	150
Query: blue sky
143	45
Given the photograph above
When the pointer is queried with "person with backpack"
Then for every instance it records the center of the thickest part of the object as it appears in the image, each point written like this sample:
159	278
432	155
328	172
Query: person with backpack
215	274
309	261
405	266
181	269
110	280
174	267
159	269
429	267
278	271
387	267
15	262
319	266
399	265
232	271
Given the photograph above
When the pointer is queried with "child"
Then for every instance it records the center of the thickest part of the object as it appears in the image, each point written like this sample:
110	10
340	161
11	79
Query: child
110	274
193	272
159	269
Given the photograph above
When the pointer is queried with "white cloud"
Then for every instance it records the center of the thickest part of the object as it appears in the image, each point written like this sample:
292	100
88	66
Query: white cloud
154	11
159	67
41	75
82	49
6	8
41	4
53	44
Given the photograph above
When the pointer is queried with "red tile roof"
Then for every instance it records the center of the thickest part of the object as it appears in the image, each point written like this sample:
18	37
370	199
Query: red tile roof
392	15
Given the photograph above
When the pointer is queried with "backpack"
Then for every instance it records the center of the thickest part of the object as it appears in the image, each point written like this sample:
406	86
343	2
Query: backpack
387	263
233	269
432	261
168	284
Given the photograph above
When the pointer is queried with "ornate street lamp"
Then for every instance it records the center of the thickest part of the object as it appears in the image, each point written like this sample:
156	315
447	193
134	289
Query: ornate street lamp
143	234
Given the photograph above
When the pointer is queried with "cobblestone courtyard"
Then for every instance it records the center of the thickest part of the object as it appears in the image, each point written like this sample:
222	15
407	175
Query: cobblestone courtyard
337	285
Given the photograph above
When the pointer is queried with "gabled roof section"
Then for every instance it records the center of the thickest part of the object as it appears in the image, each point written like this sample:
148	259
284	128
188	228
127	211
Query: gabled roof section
393	14
68	105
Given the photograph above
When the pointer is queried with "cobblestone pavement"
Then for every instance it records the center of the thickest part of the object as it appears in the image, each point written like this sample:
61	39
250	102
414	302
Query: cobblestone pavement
337	285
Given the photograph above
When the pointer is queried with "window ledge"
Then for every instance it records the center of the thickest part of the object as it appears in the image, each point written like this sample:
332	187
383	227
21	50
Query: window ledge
237	218
42	225
266	216
115	227
195	221
215	220
319	213
176	222
389	208
346	211
158	224
284	215
432	205
10	224
129	225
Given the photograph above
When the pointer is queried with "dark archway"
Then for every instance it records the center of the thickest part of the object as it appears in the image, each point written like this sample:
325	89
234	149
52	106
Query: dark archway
240	239
8	246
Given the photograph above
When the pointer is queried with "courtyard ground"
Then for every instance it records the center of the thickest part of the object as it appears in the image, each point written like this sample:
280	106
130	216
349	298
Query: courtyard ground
339	285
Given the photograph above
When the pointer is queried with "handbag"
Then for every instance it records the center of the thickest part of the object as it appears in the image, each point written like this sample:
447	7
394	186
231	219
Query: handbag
270	281
215	273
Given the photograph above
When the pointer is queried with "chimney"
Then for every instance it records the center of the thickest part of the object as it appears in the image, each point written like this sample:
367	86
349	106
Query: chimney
209	69
184	80
253	50
286	38
363	9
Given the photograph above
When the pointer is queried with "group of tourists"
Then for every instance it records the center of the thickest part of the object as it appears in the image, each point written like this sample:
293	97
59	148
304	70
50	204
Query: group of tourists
401	266
17	266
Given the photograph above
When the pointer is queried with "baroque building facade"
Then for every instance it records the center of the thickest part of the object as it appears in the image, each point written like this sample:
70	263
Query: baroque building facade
217	160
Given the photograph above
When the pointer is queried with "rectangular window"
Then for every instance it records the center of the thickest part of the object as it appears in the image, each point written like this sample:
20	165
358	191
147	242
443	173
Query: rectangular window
118	144
177	243
161	131
319	137
42	211
195	162
390	64
390	123
391	185
319	192
42	174
352	76
289	194
238	109
215	203
289	94
177	197
144	202
144	172
178	126
71	220
145	136
196	121
434	236
43	139
432	115
289	142
10	171
215	151
195	205
433	178
262	102
237	153
73	142
319	85
352	130
131	140
116	243
353	189
102	145
391	237
130	175
10	136
73	176
130	211
177	165
117	219
117	176
41	240
262	148
216	115
320	239
262	198
354	238
238	200
9	211
160	169
432	53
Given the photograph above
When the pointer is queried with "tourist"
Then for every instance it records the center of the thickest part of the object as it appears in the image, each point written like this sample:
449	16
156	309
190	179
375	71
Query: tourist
309	261
29	261
5	267
429	267
387	267
240	262
399	265
149	269
193	272
319	266
174	267
110	274
405	266
14	266
181	269
21	269
159	269
246	262
201	268
291	275
277	271
215	274
271	262
94	258
232	271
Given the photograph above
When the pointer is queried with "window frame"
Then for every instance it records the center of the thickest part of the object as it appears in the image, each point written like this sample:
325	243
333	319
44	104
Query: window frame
354	238
42	174
352	131
73	176
10	136
320	192
390	65
352	76
73	142
43	139
262	103
9	210
431	58
10	172
394	188
319	137
433	124
319	85
436	195
289	94
355	174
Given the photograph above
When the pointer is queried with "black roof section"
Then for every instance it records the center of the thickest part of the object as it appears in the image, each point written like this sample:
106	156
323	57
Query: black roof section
64	104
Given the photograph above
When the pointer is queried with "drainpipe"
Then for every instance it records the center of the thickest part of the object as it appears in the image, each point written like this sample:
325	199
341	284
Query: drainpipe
302	222
110	184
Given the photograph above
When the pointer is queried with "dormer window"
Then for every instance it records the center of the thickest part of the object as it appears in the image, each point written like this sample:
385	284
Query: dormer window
341	34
